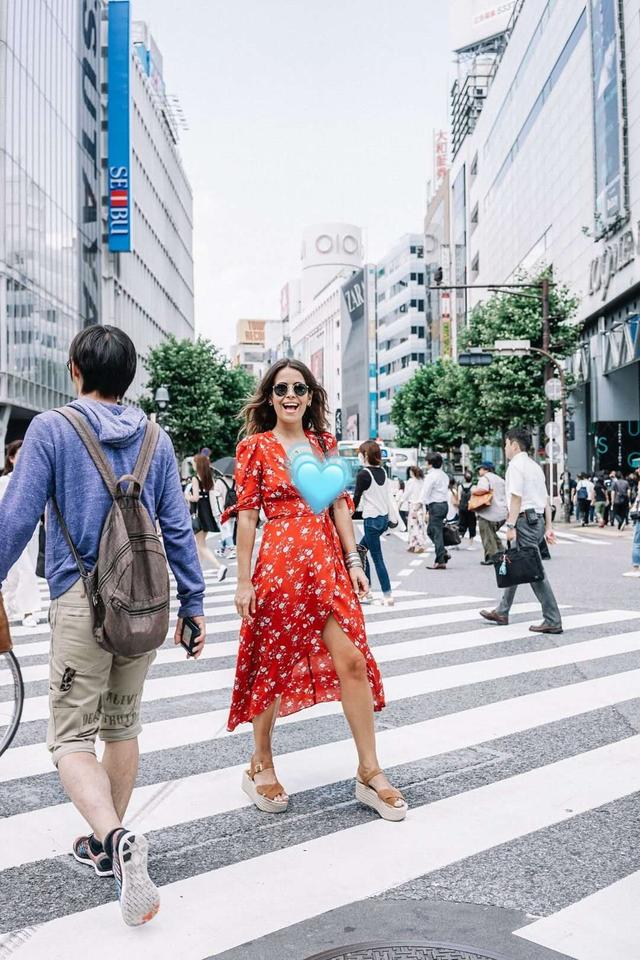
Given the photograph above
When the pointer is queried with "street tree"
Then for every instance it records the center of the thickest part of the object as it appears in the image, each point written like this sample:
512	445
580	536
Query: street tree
206	393
511	389
436	408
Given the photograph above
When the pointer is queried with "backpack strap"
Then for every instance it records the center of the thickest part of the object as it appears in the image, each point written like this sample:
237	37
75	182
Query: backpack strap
76	556
147	451
88	437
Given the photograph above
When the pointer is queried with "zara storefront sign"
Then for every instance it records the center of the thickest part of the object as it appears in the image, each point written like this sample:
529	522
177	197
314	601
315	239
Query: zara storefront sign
617	254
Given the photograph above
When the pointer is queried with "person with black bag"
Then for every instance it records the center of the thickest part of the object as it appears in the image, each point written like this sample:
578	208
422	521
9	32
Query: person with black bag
224	497
466	517
528	522
203	519
372	495
435	495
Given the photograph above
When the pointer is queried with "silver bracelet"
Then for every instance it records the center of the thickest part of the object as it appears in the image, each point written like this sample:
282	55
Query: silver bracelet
354	563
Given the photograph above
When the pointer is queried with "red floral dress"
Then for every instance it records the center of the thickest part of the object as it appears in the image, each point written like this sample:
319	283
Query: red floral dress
300	580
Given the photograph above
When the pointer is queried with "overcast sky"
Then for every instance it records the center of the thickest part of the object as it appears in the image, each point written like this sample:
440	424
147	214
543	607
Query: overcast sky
299	111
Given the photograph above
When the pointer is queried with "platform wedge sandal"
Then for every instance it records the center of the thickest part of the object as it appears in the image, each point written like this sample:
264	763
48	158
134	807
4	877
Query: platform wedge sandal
382	801
262	795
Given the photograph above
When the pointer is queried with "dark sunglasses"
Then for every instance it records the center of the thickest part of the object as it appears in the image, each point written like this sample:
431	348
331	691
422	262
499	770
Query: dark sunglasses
281	389
69	365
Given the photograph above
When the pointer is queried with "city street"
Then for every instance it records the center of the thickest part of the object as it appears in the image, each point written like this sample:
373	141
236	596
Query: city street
518	754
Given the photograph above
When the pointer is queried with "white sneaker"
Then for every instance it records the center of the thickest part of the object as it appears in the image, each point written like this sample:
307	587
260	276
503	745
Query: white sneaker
231	555
388	601
632	573
221	574
29	621
472	547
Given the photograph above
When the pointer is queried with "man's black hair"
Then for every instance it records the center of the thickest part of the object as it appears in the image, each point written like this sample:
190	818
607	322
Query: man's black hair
435	460
521	436
106	358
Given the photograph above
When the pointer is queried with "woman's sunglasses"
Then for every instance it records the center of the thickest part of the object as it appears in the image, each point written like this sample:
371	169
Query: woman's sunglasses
282	389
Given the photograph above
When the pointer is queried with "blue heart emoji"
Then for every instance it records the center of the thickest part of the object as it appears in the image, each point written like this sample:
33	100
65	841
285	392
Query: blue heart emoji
319	483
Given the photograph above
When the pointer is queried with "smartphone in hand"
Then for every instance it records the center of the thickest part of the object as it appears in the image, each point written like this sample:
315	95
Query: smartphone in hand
190	635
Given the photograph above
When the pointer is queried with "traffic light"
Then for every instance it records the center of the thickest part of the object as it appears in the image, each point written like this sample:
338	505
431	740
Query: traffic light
476	359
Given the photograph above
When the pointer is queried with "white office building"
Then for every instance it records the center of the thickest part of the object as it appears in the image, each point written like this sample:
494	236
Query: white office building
331	254
256	345
547	172
149	290
401	323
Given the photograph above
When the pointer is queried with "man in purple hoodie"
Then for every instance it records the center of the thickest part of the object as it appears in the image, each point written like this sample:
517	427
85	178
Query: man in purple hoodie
92	692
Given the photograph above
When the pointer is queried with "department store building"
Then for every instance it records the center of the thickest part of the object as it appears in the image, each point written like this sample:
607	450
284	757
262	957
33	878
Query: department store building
78	244
546	171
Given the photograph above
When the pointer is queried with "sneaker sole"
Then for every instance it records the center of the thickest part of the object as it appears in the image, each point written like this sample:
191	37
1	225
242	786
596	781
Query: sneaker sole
139	896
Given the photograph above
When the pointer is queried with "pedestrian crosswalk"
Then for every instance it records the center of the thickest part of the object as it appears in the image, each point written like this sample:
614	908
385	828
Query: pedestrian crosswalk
452	684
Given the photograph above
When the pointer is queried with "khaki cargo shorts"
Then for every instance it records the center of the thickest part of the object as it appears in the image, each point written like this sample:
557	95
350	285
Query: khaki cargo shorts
91	691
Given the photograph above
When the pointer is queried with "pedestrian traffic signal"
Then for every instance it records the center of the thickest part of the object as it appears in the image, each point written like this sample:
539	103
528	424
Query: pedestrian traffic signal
479	359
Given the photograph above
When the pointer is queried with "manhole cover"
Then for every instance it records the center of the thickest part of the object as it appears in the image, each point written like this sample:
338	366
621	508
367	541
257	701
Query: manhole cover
404	951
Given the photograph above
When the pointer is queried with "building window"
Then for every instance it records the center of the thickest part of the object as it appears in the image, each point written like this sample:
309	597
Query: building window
475	267
473	170
474	218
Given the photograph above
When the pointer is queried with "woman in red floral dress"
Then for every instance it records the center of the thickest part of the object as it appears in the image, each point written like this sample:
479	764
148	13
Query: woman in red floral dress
302	639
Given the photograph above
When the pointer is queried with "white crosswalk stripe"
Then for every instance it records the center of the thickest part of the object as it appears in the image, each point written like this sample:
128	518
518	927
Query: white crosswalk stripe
325	871
166	734
605	924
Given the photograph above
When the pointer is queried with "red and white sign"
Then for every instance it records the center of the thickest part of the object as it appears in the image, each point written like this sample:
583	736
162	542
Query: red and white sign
440	156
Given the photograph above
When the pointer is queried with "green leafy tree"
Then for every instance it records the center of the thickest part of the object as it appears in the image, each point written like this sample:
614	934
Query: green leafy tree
206	394
436	407
511	389
444	403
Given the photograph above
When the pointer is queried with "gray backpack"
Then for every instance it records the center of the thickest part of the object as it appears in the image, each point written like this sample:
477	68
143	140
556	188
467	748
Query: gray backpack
128	589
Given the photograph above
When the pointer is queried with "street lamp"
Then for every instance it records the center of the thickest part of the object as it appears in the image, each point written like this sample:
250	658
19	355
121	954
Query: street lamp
161	398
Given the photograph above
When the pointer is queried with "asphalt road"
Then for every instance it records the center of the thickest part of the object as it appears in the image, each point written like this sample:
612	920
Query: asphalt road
517	753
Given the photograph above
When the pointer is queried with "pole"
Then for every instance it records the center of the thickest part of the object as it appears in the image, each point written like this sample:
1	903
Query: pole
546	343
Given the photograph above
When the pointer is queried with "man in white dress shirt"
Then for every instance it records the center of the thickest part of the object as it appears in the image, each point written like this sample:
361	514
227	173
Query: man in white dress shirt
435	496
528	521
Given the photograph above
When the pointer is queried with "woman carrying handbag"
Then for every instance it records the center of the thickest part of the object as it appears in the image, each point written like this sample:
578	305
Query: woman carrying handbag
202	513
302	639
373	497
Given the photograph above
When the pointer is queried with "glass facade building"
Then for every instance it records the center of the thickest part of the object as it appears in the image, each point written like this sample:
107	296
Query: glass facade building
49	91
56	273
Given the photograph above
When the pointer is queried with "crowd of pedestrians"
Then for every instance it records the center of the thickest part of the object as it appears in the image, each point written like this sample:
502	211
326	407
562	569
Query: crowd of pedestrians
602	498
302	638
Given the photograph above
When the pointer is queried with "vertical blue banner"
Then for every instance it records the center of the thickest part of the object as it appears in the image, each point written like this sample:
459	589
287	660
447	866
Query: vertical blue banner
118	120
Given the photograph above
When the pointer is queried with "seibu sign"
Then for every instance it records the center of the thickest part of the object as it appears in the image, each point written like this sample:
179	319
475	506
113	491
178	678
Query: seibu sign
617	254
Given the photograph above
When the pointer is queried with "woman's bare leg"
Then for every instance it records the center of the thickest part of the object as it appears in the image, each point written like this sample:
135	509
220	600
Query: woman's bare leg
263	726
203	550
357	699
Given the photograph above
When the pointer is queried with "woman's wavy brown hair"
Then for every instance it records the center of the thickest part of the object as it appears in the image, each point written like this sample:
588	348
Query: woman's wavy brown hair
259	415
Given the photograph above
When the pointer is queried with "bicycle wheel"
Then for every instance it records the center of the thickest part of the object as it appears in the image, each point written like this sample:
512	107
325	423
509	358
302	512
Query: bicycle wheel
11	698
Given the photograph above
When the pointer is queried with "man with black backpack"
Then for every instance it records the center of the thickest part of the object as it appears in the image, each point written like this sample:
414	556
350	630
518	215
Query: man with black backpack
224	497
106	475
